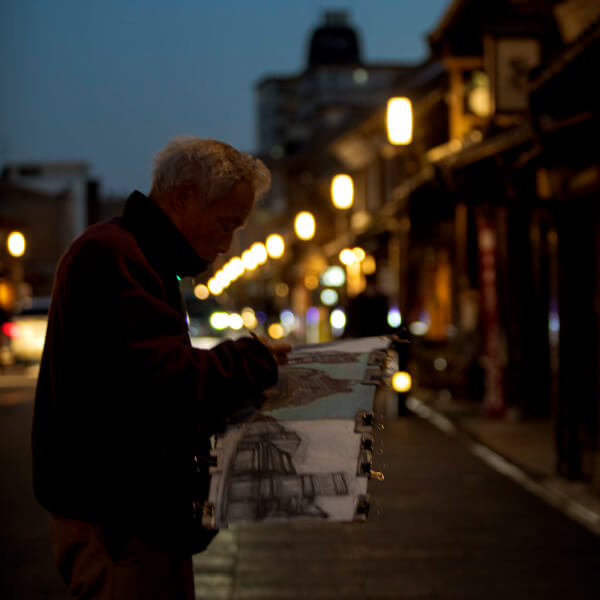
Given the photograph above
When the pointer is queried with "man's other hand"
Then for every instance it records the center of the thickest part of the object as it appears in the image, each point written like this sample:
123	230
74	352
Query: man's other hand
279	350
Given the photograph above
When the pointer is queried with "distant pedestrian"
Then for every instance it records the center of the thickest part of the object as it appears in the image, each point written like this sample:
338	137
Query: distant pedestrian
125	406
367	313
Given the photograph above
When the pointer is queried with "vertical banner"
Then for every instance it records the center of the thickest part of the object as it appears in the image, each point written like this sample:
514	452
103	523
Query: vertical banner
493	399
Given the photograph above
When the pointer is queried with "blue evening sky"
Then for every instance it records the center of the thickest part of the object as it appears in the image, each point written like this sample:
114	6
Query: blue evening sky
110	81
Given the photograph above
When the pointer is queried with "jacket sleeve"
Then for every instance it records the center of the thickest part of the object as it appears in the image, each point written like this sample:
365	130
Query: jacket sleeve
142	346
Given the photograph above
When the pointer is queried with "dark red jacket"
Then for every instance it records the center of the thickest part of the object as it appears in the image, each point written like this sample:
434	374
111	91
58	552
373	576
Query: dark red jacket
123	402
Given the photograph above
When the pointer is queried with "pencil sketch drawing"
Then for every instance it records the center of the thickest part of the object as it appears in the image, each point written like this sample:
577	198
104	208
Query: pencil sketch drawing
324	357
298	386
262	481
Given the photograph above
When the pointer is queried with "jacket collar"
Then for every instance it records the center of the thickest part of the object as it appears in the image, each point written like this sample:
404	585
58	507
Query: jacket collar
161	242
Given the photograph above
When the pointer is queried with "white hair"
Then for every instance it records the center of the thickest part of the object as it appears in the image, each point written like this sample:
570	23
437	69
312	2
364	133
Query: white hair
211	165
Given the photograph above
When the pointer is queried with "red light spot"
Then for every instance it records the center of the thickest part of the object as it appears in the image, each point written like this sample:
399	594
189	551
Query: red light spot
10	330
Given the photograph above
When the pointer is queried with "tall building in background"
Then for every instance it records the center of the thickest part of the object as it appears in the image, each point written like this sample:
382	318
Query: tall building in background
296	111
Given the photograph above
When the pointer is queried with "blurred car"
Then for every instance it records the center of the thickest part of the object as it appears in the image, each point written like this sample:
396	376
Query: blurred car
27	331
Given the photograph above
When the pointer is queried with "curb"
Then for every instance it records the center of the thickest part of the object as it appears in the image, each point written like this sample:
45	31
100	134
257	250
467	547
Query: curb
571	508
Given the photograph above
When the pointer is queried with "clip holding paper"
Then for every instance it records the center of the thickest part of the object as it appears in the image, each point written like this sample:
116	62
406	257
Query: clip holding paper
366	442
208	515
361	512
365	461
215	460
364	421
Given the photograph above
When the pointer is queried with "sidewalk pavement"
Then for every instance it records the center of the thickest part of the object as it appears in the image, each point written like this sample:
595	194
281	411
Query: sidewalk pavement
443	525
528	445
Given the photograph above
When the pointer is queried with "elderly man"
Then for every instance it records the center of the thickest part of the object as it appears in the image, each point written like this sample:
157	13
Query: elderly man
125	406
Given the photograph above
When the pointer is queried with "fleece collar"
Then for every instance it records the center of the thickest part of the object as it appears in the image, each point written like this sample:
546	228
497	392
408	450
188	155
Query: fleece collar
161	242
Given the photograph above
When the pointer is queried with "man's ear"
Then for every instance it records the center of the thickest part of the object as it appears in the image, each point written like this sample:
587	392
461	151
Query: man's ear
180	198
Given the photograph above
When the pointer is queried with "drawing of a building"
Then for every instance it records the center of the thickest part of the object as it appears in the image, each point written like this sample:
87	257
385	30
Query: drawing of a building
262	481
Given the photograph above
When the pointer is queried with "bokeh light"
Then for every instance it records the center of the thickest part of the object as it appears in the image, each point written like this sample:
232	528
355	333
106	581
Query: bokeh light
338	319
399	121
311	282
249	318
334	276
282	289
16	244
342	191
394	318
304	225
259	252
359	254
401	381
214	286
235	321
275	245
276	331
249	260
219	320
369	265
329	297
347	257
201	292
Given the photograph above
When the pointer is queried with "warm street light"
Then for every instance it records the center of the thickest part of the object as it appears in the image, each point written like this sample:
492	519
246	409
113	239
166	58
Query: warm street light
394	317
275	245
359	254
219	320
230	271
368	265
334	276
304	224
347	257
237	267
260	253
329	297
249	318
201	292
401	381
236	321
276	331
214	286
338	319
399	121
311	282
16	244
342	191
249	260
222	279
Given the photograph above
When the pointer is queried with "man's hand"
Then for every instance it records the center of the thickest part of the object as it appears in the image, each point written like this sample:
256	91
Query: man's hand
279	350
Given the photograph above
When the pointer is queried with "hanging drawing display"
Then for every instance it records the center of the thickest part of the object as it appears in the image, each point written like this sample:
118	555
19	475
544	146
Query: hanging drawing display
307	454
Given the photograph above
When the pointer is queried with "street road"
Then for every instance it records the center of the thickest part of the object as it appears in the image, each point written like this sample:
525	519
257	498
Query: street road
443	526
26	567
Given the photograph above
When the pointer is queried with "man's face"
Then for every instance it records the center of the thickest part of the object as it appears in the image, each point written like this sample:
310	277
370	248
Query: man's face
209	229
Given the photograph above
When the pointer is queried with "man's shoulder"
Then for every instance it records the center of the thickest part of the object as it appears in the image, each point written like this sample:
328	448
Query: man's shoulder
99	243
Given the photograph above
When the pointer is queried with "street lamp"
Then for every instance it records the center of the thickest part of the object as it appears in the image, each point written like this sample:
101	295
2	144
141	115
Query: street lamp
399	121
359	254
347	257
275	245
342	191
16	244
260	253
201	292
249	260
304	225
